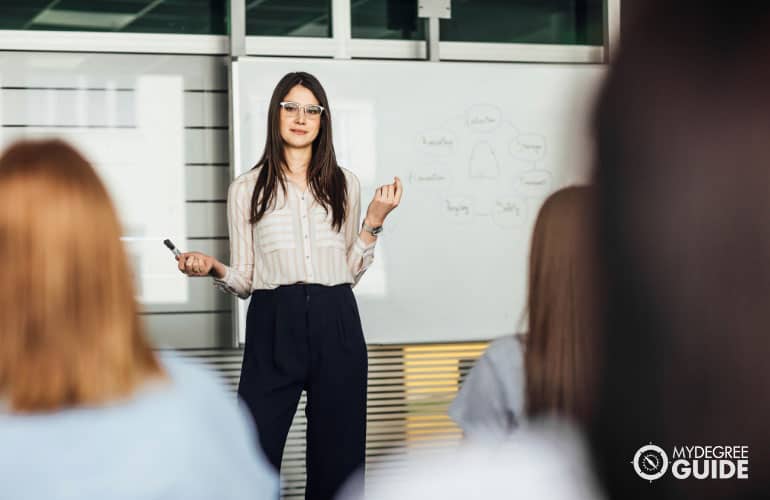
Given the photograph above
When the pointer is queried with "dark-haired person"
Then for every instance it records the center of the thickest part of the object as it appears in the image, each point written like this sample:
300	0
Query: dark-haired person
551	369
542	384
683	194
87	410
296	248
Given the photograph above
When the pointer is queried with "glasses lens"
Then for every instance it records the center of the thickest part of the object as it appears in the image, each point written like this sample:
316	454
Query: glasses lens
291	107
314	110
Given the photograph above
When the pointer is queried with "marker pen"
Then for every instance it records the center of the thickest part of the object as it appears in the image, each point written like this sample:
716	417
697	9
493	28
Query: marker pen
173	248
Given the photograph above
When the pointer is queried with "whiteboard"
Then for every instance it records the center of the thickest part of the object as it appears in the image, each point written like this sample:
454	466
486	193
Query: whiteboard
479	146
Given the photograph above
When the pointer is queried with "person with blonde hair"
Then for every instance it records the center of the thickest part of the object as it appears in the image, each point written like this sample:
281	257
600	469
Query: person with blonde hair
87	410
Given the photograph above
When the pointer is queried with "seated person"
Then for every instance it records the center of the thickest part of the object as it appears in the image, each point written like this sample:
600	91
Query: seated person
549	370
87	410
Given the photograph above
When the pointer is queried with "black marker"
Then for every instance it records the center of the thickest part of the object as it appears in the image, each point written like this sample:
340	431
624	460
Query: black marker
171	247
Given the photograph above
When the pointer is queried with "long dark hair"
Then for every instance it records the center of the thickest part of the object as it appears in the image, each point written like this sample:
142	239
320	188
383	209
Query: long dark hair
326	180
561	343
682	176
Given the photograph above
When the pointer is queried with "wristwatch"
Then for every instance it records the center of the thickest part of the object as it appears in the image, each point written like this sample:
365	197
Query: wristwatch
373	230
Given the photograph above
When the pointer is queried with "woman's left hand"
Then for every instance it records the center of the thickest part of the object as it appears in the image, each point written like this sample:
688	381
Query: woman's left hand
385	199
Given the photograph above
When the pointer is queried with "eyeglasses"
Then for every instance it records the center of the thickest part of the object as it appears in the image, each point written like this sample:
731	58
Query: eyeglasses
311	110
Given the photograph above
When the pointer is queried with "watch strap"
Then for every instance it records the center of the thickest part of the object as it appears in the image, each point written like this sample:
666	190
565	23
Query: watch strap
373	230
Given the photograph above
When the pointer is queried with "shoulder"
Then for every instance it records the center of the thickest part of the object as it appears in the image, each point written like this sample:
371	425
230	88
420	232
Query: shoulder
195	383
208	413
242	186
204	397
501	369
506	351
247	178
351	179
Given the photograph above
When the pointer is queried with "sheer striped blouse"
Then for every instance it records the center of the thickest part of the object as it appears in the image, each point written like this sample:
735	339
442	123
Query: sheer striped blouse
294	242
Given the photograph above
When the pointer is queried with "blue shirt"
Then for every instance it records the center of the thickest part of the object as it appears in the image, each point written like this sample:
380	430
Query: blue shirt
184	439
490	403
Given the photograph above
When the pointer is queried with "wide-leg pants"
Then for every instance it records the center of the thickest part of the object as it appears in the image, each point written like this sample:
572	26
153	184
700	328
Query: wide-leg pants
308	336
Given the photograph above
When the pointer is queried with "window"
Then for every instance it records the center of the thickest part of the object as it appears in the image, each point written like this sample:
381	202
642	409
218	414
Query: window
386	19
203	17
303	18
567	22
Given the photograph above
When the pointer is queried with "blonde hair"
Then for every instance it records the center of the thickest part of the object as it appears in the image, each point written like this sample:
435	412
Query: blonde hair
70	334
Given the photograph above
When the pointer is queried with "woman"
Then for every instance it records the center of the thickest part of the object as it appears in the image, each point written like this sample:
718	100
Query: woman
296	248
86	408
535	383
552	368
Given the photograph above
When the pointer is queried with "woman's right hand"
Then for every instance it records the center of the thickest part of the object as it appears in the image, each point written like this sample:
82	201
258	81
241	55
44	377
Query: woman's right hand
199	264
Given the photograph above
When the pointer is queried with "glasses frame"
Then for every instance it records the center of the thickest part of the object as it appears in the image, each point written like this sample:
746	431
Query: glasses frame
303	107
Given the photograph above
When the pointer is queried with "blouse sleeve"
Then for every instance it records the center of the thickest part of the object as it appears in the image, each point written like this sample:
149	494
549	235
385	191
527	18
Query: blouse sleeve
239	274
359	255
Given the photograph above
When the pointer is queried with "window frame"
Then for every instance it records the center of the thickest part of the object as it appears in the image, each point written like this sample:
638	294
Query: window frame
340	45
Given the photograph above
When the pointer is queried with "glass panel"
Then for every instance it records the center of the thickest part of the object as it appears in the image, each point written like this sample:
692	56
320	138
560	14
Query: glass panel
145	121
310	18
206	17
569	22
386	19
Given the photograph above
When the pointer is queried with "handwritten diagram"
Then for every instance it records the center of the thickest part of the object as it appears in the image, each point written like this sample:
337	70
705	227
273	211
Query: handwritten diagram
479	152
483	117
459	209
483	162
508	213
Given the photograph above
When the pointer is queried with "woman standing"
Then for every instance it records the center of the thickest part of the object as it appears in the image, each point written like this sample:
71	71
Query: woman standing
297	249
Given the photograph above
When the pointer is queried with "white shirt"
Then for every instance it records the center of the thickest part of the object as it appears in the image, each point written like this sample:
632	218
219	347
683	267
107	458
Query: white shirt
294	242
544	460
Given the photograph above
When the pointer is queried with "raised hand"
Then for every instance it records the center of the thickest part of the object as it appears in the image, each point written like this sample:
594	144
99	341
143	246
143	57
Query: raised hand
386	199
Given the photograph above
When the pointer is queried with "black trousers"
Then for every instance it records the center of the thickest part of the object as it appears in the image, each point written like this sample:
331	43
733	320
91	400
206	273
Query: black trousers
308	336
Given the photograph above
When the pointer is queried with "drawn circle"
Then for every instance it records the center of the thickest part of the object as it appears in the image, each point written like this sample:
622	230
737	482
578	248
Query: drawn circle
534	183
508	212
650	462
483	117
